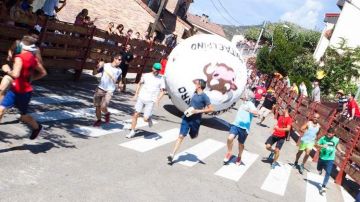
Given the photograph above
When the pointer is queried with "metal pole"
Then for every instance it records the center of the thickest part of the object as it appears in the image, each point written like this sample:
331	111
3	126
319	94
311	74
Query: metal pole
157	17
261	32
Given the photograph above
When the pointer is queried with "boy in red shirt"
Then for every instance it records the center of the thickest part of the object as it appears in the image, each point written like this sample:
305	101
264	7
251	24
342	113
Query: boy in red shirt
353	107
282	126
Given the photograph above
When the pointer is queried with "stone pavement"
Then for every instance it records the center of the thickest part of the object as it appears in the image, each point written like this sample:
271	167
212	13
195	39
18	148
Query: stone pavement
72	161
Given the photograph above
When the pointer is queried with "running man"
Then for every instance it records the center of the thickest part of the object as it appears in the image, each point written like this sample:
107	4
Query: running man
200	103
267	106
20	93
240	127
282	126
150	90
104	91
311	130
328	144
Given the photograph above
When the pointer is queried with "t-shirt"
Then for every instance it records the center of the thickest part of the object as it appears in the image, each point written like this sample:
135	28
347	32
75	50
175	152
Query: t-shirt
199	101
303	90
269	101
22	83
126	58
259	92
353	105
244	117
282	122
151	87
329	152
49	7
163	65
315	94
341	101
311	132
107	83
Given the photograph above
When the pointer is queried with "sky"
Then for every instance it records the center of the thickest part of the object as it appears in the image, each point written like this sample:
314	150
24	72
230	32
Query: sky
306	13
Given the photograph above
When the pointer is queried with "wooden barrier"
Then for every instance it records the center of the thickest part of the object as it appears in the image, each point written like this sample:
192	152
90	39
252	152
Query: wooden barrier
347	131
67	46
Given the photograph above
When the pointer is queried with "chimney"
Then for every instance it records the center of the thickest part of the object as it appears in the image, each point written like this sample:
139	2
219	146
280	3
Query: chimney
204	18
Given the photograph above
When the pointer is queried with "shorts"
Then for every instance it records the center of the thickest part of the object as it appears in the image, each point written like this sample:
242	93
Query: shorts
257	102
190	125
264	112
19	100
306	145
240	133
147	106
102	98
278	140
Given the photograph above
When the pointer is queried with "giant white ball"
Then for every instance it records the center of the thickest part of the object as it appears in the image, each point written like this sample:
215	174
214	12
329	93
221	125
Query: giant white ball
208	57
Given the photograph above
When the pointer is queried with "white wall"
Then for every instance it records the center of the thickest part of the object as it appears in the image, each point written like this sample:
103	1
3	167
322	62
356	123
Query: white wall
323	43
348	25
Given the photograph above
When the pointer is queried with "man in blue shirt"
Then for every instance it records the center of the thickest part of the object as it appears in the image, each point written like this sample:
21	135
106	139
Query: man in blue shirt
200	103
240	127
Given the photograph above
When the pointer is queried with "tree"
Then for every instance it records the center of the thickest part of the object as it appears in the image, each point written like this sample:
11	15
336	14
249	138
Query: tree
341	66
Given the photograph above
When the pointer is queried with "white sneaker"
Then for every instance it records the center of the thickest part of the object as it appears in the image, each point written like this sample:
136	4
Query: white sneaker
150	122
131	134
322	190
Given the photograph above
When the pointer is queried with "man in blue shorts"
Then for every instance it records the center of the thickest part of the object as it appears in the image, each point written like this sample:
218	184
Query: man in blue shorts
200	103
241	127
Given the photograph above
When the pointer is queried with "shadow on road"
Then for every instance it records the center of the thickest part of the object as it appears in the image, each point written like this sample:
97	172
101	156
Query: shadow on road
35	149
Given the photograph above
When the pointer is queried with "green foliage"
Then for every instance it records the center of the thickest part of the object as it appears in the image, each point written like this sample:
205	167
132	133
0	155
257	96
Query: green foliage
342	65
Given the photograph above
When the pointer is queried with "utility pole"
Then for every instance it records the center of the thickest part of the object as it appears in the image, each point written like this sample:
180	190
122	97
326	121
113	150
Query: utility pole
261	32
157	17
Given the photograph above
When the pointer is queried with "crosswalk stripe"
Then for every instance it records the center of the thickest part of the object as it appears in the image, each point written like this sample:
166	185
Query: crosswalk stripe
148	143
53	99
108	128
235	172
199	152
277	179
313	186
346	196
58	115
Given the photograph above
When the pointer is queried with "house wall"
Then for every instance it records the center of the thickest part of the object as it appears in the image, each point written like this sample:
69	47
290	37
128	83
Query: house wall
323	43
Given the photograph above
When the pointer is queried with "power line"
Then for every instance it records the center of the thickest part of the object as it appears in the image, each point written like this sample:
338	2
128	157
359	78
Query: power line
220	12
228	12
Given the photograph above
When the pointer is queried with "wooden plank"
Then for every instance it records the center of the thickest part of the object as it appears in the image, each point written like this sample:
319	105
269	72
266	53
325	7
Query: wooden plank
62	64
66	39
98	56
63	53
104	46
12	32
68	27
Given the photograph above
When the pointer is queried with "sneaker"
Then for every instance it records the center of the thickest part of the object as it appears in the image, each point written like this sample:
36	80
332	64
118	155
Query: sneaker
150	122
295	165
301	169
271	156
322	190
238	161
274	164
36	132
320	172
107	117
131	134
97	123
227	157
170	158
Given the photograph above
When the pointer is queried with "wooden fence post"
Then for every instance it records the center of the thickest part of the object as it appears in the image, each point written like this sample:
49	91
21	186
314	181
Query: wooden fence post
86	54
146	57
348	153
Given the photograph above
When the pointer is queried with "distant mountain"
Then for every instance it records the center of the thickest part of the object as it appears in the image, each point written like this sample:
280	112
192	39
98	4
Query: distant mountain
231	30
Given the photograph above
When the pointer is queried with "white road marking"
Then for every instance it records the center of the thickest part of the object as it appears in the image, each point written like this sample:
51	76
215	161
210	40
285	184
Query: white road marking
313	186
53	99
277	179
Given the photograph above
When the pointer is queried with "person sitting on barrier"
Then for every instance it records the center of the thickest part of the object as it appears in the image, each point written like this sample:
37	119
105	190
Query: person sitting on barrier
353	108
327	146
25	68
80	18
51	7
138	36
311	130
119	30
342	101
129	33
303	90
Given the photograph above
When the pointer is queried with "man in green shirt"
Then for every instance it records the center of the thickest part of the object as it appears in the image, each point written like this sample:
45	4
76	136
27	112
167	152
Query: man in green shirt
327	146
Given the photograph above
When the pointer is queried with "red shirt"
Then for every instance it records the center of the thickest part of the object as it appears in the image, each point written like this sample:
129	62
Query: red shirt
259	92
22	83
163	65
353	105
283	122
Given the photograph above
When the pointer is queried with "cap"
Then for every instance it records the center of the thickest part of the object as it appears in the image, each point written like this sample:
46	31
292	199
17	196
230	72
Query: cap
341	92
157	66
